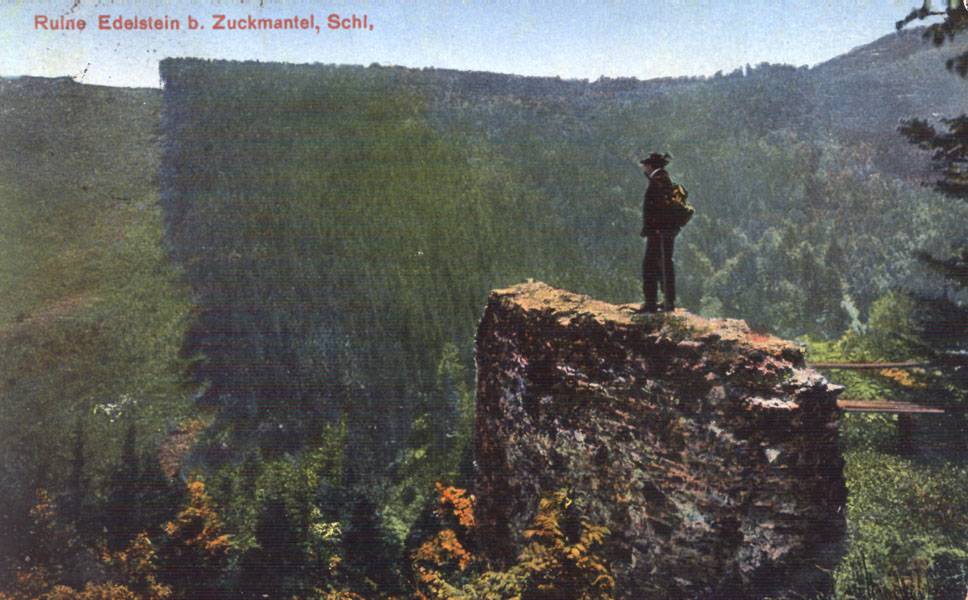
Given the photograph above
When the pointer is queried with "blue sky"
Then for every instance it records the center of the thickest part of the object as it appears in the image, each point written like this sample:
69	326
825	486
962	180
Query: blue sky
571	39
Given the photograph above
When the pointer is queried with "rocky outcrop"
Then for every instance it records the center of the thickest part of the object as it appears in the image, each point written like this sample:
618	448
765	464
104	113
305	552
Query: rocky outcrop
709	451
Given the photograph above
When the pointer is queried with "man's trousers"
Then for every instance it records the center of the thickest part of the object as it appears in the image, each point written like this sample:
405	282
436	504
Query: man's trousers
657	268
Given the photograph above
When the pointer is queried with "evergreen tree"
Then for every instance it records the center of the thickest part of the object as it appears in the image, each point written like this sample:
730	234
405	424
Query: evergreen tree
73	503
120	519
158	496
943	317
252	467
140	497
269	569
955	21
53	544
371	559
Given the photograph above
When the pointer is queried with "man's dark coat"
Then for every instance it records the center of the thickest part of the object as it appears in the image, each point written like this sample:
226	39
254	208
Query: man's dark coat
658	228
654	217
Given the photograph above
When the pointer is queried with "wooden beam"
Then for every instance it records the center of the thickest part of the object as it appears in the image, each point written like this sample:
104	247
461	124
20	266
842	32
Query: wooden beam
870	365
886	406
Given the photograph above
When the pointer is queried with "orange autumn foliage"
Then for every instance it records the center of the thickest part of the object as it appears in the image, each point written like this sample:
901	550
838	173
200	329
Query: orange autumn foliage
442	548
93	591
342	595
551	567
195	550
445	546
457	502
132	569
135	567
903	378
198	526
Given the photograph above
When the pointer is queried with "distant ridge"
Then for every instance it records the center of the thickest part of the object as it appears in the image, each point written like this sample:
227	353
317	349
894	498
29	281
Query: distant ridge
889	49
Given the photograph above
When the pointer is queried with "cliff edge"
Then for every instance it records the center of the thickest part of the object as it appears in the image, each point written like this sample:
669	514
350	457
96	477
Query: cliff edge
709	451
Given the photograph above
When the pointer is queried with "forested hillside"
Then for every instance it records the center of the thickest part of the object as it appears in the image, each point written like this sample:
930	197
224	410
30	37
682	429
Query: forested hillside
295	257
92	311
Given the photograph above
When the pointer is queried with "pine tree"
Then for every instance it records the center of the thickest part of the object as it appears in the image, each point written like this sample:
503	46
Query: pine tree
943	319
158	496
73	503
371	559
268	570
278	536
252	466
120	518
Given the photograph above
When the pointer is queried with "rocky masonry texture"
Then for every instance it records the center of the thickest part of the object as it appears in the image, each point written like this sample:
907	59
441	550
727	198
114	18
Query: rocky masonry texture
709	451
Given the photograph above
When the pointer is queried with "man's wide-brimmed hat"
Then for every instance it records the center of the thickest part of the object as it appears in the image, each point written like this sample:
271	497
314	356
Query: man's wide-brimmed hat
657	160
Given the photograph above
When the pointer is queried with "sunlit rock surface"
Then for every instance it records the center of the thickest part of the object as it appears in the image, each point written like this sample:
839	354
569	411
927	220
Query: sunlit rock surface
709	451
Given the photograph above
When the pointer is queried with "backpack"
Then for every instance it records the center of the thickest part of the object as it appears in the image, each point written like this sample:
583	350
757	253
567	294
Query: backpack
677	206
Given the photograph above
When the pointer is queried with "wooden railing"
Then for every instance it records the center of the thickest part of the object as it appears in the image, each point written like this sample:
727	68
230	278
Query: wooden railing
886	406
907	364
879	405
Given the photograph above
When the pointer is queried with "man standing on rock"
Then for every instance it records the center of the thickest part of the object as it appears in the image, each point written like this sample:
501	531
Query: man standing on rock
659	228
